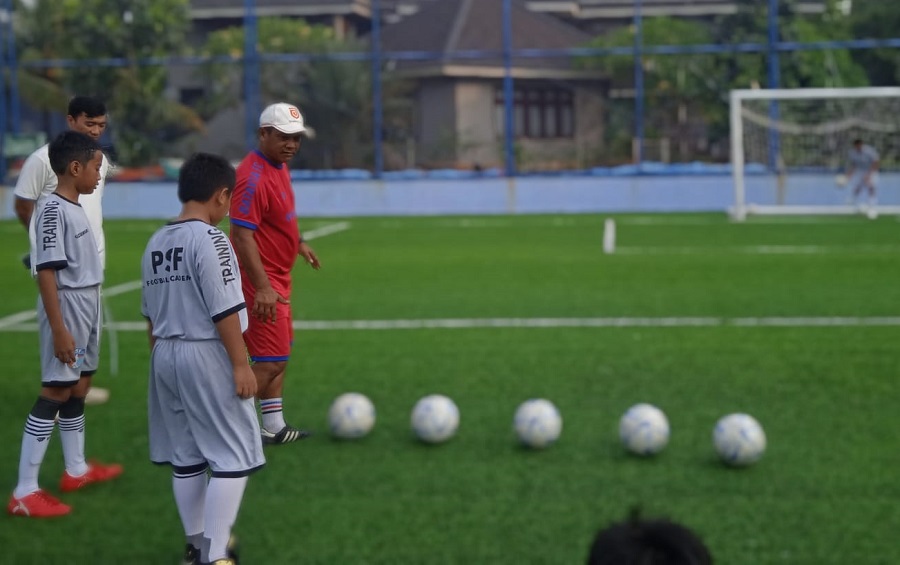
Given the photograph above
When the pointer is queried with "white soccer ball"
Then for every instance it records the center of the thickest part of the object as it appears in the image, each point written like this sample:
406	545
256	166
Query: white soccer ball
352	415
537	423
644	429
435	418
739	440
840	181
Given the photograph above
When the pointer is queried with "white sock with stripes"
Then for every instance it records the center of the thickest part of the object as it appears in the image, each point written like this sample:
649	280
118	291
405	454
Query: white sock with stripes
223	500
190	498
71	434
272	414
35	440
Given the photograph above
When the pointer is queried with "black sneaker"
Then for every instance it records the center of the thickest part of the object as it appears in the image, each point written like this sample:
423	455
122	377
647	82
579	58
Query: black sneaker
192	554
287	434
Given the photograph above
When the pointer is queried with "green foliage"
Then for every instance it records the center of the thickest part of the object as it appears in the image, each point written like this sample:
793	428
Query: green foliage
142	119
877	20
825	395
335	96
799	69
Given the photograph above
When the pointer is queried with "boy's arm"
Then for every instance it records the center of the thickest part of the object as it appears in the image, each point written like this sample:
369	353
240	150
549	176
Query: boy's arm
63	342
229	329
29	186
150	338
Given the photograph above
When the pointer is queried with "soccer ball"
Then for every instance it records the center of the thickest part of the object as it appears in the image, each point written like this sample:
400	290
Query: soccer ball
537	423
739	440
644	429
352	415
840	181
435	418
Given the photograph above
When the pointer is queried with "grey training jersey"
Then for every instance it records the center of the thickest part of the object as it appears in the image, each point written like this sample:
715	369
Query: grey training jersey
864	158
64	242
190	281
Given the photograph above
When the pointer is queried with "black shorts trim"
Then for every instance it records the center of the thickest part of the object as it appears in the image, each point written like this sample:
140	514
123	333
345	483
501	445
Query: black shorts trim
229	312
58	384
236	474
190	470
86	374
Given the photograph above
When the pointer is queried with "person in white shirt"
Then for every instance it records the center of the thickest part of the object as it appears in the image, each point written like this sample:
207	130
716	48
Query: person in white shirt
37	180
862	171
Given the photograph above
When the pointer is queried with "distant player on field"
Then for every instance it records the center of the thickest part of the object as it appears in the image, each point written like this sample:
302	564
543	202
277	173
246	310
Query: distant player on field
862	170
200	403
37	180
265	234
69	274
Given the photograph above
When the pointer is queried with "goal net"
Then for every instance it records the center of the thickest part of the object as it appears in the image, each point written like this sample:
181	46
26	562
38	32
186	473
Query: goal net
791	151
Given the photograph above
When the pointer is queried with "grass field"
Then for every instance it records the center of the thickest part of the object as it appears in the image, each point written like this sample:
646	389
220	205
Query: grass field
796	321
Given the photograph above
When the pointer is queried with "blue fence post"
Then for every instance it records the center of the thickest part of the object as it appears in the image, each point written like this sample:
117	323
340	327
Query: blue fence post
3	69
774	76
508	93
638	82
251	74
15	120
377	100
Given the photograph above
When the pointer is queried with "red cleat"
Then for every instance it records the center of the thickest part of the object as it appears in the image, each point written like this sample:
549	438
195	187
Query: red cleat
38	504
96	473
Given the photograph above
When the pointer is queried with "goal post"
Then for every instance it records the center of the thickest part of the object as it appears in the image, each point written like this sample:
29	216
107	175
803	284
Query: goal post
788	147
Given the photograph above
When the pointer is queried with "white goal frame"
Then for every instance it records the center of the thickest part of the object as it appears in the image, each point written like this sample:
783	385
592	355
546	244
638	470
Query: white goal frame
741	207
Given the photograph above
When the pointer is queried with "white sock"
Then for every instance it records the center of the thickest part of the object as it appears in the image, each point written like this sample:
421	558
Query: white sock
190	498
223	500
272	414
35	440
71	433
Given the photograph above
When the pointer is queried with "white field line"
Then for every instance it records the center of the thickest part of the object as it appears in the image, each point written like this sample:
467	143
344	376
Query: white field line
757	250
551	323
14	320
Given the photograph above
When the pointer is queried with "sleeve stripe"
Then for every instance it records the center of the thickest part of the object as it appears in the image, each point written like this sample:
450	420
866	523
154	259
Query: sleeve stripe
56	265
243	223
229	312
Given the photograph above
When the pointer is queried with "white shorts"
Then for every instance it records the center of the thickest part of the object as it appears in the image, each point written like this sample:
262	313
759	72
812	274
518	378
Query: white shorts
195	416
856	181
80	309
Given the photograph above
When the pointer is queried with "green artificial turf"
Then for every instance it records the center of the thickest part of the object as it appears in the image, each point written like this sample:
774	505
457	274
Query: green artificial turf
792	320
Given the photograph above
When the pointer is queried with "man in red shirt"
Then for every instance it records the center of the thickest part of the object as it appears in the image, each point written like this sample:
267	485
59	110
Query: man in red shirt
267	240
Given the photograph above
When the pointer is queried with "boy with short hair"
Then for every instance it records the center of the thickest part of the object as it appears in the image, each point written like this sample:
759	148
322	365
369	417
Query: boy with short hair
69	274
201	407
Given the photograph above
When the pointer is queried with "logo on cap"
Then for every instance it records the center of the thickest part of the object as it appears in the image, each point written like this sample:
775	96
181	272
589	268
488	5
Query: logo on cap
295	113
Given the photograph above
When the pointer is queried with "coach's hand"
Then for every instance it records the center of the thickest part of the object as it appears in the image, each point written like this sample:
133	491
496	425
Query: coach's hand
244	382
264	305
309	255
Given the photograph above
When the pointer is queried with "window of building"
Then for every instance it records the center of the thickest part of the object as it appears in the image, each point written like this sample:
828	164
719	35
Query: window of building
539	112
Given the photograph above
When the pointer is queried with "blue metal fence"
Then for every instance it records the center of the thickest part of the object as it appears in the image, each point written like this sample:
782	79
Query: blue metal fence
251	61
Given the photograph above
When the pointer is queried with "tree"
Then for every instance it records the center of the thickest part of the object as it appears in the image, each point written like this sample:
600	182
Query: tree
877	20
335	96
680	89
798	69
143	121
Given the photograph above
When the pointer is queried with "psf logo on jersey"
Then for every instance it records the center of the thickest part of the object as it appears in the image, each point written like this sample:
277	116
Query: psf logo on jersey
168	261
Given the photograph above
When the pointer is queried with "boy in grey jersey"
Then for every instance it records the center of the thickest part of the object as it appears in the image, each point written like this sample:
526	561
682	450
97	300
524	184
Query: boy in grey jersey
69	275
202	415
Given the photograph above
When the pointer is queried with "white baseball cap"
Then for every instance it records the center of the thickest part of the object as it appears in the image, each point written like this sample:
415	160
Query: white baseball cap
283	117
